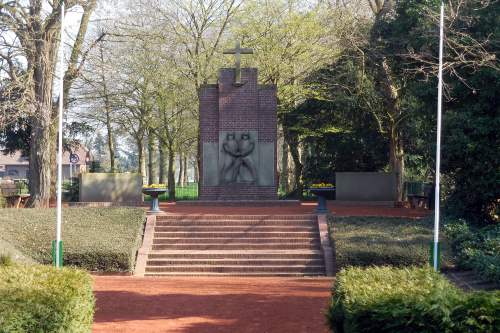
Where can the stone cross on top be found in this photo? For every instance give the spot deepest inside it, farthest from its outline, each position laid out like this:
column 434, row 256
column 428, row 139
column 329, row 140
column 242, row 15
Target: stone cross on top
column 238, row 51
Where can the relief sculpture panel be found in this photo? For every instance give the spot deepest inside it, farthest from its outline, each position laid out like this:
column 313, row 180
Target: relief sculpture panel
column 238, row 157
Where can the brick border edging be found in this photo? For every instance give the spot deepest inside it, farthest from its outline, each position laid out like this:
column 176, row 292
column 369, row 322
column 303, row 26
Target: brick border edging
column 325, row 244
column 147, row 244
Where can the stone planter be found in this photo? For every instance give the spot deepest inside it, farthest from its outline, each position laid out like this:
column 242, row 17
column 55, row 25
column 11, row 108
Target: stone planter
column 154, row 193
column 321, row 193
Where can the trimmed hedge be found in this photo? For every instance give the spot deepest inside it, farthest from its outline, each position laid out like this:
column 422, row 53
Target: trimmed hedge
column 96, row 239
column 43, row 299
column 388, row 299
column 367, row 241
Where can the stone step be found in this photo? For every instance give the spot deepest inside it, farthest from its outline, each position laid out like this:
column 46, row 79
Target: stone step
column 237, row 246
column 235, row 262
column 235, row 223
column 241, row 228
column 238, row 269
column 232, row 234
column 245, row 274
column 241, row 240
column 192, row 217
column 249, row 254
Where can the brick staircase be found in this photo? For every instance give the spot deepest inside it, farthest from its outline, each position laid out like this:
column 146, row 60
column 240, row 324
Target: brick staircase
column 221, row 245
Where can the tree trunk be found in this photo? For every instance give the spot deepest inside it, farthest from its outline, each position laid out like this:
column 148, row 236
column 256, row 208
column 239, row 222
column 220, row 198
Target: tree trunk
column 396, row 160
column 284, row 168
column 185, row 174
column 387, row 88
column 171, row 174
column 163, row 165
column 152, row 174
column 40, row 162
column 141, row 158
column 181, row 170
column 196, row 166
column 111, row 143
column 41, row 140
column 293, row 144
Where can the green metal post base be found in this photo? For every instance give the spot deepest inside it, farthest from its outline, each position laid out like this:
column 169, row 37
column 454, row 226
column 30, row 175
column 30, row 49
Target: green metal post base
column 431, row 255
column 60, row 253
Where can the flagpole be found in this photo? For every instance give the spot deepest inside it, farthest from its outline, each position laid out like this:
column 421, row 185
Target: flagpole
column 58, row 245
column 438, row 143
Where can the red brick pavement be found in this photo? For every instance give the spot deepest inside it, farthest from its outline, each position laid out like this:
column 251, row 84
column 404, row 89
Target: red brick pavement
column 302, row 208
column 211, row 305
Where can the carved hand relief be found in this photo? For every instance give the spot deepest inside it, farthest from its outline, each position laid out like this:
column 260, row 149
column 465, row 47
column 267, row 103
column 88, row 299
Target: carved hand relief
column 238, row 165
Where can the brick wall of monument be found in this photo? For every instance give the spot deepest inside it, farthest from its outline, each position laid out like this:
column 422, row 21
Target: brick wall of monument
column 226, row 107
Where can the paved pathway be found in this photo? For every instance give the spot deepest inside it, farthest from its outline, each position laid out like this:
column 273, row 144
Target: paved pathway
column 211, row 305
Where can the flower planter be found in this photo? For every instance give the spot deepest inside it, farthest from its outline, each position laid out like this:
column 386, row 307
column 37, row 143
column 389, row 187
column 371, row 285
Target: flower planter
column 321, row 193
column 154, row 193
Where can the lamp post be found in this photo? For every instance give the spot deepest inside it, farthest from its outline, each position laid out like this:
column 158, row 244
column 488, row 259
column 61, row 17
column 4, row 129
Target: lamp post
column 57, row 247
column 435, row 248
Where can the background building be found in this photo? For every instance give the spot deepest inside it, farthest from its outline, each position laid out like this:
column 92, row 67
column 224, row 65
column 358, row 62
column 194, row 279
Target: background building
column 16, row 166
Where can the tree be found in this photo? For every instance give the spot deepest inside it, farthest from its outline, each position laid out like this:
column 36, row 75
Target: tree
column 29, row 58
column 339, row 130
column 404, row 55
column 388, row 86
column 290, row 40
column 98, row 97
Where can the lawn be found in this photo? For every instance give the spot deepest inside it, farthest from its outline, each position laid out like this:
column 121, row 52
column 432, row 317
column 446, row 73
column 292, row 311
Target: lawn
column 188, row 192
column 97, row 239
column 366, row 241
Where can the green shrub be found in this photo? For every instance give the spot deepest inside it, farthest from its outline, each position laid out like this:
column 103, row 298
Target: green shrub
column 476, row 248
column 71, row 190
column 5, row 260
column 43, row 299
column 97, row 239
column 480, row 312
column 367, row 241
column 387, row 299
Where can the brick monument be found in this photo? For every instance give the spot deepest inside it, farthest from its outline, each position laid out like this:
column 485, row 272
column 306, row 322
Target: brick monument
column 238, row 133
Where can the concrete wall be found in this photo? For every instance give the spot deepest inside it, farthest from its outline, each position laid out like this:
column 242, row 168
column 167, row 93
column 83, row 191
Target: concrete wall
column 365, row 186
column 111, row 187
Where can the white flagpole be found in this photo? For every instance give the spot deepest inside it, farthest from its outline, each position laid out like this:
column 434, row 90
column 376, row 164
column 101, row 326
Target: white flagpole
column 438, row 144
column 60, row 143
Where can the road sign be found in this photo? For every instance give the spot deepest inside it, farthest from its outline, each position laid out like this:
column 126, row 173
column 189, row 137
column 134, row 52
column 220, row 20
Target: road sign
column 74, row 158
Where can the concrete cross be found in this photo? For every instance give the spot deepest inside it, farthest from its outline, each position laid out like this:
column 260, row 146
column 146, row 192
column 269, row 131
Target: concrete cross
column 238, row 51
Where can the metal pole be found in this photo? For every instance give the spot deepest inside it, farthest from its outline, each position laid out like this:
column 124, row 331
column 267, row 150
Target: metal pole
column 60, row 144
column 438, row 143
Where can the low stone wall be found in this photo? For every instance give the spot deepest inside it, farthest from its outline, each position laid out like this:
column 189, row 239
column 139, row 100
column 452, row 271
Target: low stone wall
column 365, row 186
column 111, row 187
